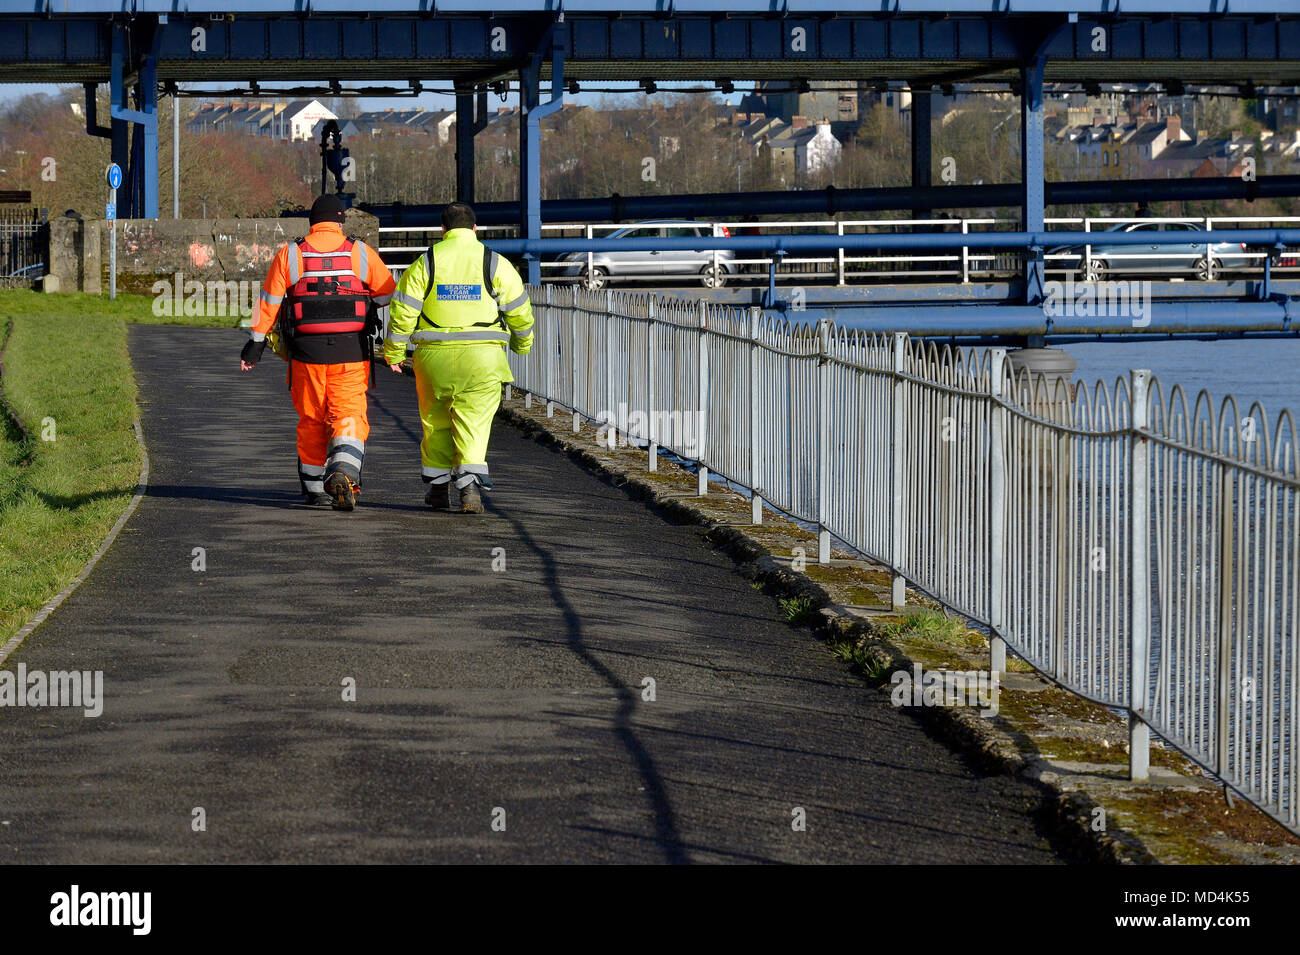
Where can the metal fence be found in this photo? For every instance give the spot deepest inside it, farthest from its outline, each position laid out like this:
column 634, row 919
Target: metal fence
column 23, row 242
column 1138, row 547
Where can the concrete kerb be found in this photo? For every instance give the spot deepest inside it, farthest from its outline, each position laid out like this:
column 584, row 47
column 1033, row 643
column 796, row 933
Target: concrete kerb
column 1068, row 814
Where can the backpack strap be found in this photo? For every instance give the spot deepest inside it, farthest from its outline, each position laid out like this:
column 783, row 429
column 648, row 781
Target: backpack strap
column 283, row 322
column 429, row 290
column 490, row 260
column 362, row 269
column 291, row 253
column 490, row 273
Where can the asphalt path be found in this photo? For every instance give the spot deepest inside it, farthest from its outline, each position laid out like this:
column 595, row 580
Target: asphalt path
column 499, row 714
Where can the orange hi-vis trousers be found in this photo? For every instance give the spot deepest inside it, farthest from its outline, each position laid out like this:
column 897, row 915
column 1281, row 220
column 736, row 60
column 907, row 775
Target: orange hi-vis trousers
column 332, row 424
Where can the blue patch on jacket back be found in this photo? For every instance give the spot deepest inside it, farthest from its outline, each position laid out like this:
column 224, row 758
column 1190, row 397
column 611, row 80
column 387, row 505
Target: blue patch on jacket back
column 459, row 293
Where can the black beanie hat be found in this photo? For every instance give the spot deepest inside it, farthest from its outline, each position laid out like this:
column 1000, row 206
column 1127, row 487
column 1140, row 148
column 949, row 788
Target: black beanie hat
column 326, row 209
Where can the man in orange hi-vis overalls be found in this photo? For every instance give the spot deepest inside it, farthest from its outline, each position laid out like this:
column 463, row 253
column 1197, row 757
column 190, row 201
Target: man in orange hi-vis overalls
column 323, row 289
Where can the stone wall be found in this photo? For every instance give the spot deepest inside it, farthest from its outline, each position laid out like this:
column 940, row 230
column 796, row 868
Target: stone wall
column 198, row 250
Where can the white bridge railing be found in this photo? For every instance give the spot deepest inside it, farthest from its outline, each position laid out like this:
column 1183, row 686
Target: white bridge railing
column 400, row 245
column 1138, row 547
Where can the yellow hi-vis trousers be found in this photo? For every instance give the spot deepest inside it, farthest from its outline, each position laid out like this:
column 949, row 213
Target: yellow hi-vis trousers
column 459, row 388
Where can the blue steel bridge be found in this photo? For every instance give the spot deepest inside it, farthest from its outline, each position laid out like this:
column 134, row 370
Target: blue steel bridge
column 143, row 49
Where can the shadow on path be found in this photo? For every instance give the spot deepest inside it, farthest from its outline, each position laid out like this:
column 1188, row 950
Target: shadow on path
column 665, row 819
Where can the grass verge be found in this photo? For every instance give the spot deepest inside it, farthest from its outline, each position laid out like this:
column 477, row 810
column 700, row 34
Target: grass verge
column 64, row 483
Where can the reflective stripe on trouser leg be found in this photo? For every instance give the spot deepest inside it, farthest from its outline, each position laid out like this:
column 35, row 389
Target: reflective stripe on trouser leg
column 435, row 475
column 346, row 455
column 311, row 477
column 466, row 474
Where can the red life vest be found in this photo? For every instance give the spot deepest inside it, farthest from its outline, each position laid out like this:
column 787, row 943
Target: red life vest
column 329, row 297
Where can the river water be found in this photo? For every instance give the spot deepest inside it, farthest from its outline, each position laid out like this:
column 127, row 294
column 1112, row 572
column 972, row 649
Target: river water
column 1264, row 370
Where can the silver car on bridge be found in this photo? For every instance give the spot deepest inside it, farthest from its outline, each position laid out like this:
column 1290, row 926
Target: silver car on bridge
column 710, row 268
column 1158, row 259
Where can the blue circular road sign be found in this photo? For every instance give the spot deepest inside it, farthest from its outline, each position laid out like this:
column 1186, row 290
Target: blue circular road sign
column 113, row 175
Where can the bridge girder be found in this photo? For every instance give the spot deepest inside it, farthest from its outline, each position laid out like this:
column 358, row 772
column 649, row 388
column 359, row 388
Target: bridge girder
column 924, row 49
column 921, row 48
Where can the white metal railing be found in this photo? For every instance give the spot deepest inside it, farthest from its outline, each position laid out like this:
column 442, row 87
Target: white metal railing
column 1138, row 547
column 963, row 265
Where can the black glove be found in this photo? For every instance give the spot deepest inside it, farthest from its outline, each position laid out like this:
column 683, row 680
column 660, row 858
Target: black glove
column 252, row 352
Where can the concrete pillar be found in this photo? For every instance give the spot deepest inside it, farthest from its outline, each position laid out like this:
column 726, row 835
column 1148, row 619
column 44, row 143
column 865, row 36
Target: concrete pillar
column 92, row 255
column 1054, row 364
column 74, row 264
column 63, row 273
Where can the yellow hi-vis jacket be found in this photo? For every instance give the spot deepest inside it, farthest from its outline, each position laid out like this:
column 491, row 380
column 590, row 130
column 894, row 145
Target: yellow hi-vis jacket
column 453, row 307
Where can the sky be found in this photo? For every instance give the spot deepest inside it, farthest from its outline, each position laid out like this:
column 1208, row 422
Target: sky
column 430, row 101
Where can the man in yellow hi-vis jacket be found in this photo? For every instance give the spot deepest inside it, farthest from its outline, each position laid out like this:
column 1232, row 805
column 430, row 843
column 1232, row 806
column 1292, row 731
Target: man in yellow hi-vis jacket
column 460, row 304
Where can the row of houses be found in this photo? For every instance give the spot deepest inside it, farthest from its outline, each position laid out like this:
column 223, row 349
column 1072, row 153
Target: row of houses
column 1109, row 135
column 795, row 147
column 1165, row 150
column 301, row 120
column 293, row 121
column 438, row 124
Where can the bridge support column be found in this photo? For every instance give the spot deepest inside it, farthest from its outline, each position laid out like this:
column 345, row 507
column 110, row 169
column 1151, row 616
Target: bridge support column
column 921, row 139
column 119, row 129
column 471, row 117
column 464, row 145
column 1032, row 171
column 144, row 145
column 138, row 155
column 530, row 138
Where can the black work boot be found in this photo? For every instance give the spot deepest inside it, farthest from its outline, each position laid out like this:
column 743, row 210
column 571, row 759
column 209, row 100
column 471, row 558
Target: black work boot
column 439, row 496
column 471, row 502
column 342, row 490
column 316, row 498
